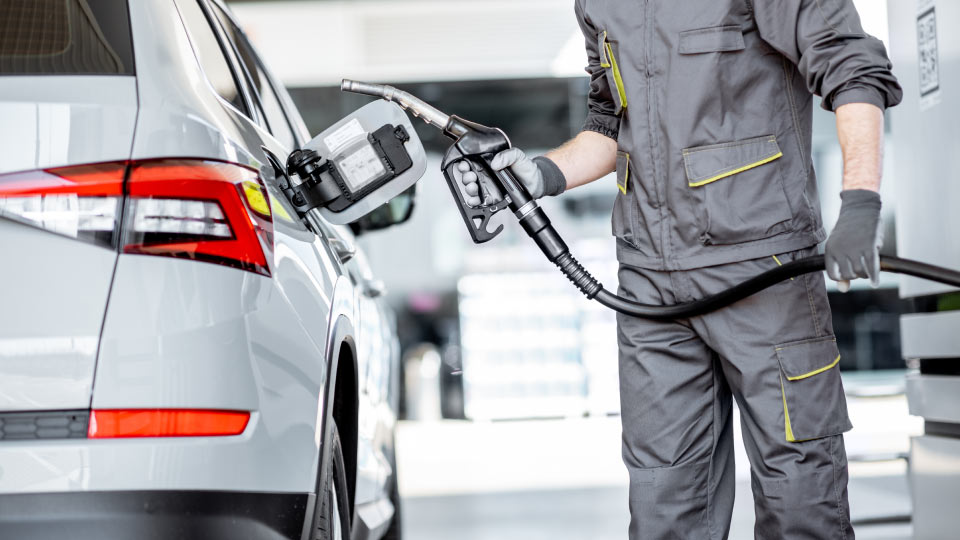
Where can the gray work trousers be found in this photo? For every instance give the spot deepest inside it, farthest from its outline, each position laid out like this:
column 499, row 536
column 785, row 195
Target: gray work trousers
column 775, row 353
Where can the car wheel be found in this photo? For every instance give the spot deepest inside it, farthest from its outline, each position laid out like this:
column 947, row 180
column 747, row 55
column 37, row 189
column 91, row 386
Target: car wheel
column 332, row 514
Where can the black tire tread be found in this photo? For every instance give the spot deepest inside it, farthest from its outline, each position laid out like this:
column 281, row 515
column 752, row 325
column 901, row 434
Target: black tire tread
column 322, row 526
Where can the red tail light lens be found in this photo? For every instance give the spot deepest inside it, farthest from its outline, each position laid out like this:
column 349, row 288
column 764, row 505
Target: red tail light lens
column 81, row 202
column 112, row 424
column 187, row 208
column 203, row 210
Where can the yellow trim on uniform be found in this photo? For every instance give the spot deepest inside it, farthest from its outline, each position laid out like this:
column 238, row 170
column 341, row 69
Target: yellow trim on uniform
column 621, row 90
column 735, row 171
column 786, row 415
column 779, row 263
column 814, row 372
column 603, row 55
column 626, row 176
column 788, row 429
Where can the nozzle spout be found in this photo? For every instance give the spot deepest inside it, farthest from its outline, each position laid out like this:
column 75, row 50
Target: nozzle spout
column 407, row 101
column 357, row 87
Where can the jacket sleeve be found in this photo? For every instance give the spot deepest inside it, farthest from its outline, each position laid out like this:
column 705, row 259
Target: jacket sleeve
column 600, row 105
column 838, row 60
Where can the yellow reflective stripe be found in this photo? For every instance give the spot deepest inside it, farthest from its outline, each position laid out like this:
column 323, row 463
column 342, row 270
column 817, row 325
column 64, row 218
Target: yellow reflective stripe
column 816, row 371
column 786, row 415
column 621, row 90
column 779, row 263
column 626, row 176
column 735, row 171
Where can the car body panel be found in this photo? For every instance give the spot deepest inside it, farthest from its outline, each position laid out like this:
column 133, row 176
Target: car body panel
column 54, row 292
column 55, row 288
column 63, row 120
column 180, row 112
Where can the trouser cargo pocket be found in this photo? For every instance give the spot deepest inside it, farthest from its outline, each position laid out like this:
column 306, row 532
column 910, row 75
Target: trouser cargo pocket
column 814, row 405
column 608, row 60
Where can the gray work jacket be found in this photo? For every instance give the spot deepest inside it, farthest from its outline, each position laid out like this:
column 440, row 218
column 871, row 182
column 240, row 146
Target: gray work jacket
column 710, row 102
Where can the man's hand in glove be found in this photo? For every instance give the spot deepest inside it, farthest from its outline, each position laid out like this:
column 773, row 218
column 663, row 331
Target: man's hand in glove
column 852, row 250
column 539, row 175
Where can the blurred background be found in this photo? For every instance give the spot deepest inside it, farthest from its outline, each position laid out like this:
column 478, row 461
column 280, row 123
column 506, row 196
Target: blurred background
column 510, row 381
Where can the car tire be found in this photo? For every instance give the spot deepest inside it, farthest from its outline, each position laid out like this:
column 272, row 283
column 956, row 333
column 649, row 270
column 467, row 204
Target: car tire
column 332, row 512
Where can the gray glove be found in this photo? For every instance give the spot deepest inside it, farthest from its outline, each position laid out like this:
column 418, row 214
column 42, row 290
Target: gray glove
column 539, row 175
column 853, row 249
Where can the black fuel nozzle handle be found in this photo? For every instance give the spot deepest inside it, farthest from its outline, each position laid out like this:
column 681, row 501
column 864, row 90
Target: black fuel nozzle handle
column 475, row 218
column 481, row 143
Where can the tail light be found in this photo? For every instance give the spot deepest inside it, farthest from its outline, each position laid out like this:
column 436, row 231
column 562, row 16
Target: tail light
column 113, row 424
column 203, row 210
column 194, row 209
column 81, row 202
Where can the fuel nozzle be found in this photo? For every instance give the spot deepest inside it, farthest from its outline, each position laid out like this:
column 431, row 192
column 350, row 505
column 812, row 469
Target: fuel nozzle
column 417, row 107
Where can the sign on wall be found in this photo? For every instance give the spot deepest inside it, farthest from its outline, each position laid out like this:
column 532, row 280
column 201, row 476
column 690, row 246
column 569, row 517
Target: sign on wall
column 928, row 55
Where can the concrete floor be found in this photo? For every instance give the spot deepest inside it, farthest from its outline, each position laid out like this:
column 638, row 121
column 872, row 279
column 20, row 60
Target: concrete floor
column 599, row 514
column 563, row 479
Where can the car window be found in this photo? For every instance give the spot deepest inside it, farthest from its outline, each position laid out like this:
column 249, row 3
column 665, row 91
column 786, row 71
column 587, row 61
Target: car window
column 84, row 37
column 210, row 54
column 276, row 119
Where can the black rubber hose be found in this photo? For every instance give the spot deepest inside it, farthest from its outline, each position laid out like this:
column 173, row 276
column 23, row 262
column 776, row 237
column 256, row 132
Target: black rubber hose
column 764, row 280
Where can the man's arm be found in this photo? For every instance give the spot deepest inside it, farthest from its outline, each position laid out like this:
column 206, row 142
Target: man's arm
column 853, row 247
column 851, row 71
column 581, row 160
column 860, row 130
column 587, row 157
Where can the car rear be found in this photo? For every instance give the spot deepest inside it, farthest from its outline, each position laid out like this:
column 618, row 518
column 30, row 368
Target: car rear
column 137, row 274
column 68, row 101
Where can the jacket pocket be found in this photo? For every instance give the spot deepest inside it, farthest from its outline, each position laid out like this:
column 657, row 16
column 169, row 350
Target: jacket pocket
column 716, row 39
column 743, row 197
column 608, row 60
column 814, row 405
column 624, row 213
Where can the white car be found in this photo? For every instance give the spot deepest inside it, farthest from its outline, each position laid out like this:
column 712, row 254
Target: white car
column 181, row 355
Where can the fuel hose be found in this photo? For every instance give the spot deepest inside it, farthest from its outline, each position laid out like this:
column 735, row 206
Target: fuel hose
column 592, row 288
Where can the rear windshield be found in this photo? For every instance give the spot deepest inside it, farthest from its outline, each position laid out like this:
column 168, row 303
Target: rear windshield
column 65, row 37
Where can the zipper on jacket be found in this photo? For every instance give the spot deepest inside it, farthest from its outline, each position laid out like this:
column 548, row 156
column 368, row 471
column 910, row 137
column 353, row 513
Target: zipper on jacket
column 652, row 119
column 647, row 36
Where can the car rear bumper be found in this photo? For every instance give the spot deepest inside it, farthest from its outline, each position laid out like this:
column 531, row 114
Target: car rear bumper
column 148, row 515
column 257, row 460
